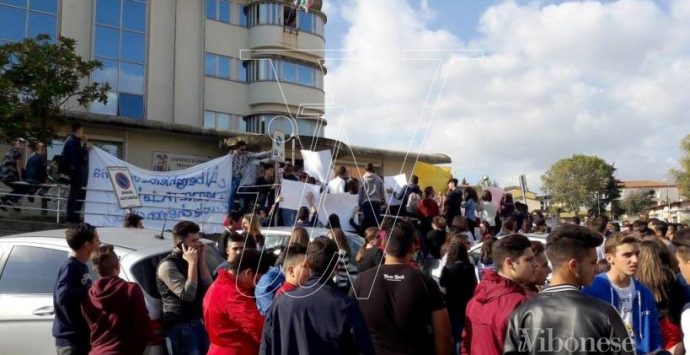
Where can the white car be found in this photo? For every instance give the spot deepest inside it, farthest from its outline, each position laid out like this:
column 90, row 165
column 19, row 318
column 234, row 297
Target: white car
column 29, row 265
column 476, row 250
column 277, row 236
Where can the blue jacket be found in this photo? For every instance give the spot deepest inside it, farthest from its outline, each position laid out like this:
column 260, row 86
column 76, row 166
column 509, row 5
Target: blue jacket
column 645, row 322
column 36, row 170
column 266, row 289
column 315, row 319
column 71, row 290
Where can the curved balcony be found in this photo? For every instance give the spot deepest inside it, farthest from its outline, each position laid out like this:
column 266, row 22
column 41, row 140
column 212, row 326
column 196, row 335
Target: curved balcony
column 278, row 37
column 276, row 94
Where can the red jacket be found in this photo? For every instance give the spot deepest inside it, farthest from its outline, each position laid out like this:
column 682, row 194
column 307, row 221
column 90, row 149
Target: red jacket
column 486, row 318
column 117, row 316
column 427, row 208
column 232, row 320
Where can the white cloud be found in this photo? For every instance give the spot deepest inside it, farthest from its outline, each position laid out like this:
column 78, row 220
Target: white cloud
column 611, row 79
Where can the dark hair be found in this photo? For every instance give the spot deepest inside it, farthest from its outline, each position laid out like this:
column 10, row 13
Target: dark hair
column 414, row 179
column 251, row 259
column 104, row 260
column 235, row 215
column 682, row 243
column 471, row 193
column 303, row 214
column 132, row 220
column 512, row 246
column 486, row 196
column 510, row 224
column 428, row 192
column 341, row 240
column 400, row 239
column 299, row 236
column 661, row 227
column 322, row 256
column 342, row 170
column 233, row 237
column 183, row 229
column 487, row 245
column 370, row 167
column 352, row 186
column 507, row 198
column 241, row 144
column 457, row 250
column 76, row 126
column 311, row 180
column 78, row 235
column 639, row 226
column 293, row 252
column 333, row 221
column 453, row 181
column 537, row 247
column 439, row 221
column 570, row 241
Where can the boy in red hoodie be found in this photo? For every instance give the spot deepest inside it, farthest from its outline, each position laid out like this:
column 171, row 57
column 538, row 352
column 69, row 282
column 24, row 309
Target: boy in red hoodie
column 115, row 309
column 231, row 318
column 499, row 293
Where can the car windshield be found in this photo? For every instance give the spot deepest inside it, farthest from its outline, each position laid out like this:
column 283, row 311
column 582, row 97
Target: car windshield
column 145, row 270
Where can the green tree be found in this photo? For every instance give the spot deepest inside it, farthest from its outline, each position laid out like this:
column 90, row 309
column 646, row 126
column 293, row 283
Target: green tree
column 682, row 175
column 637, row 201
column 38, row 77
column 581, row 181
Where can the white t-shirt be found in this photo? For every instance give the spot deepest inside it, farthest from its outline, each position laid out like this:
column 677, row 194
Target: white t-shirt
column 626, row 296
column 685, row 325
column 488, row 212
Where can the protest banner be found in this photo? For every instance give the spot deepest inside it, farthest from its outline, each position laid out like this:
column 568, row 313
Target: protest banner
column 431, row 175
column 396, row 183
column 318, row 164
column 342, row 205
column 294, row 194
column 198, row 194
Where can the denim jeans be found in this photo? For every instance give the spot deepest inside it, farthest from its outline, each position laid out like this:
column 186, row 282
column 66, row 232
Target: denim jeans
column 187, row 338
column 288, row 216
column 232, row 205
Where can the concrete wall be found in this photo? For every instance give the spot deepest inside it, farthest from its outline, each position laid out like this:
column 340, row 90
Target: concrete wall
column 189, row 64
column 160, row 73
column 226, row 96
column 76, row 23
column 263, row 94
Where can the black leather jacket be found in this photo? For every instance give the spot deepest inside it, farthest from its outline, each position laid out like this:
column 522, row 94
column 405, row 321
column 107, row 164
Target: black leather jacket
column 562, row 320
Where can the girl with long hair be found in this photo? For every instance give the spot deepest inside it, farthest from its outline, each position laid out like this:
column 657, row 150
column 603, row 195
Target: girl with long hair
column 345, row 270
column 251, row 227
column 370, row 255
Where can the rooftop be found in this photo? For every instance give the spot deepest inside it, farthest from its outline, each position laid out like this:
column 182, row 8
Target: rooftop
column 639, row 184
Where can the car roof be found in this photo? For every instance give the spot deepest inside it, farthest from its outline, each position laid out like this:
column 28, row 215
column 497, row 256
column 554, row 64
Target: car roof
column 285, row 230
column 125, row 238
column 531, row 236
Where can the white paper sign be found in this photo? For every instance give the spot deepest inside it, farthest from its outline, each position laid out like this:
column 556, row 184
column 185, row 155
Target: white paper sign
column 278, row 149
column 336, row 186
column 294, row 194
column 198, row 194
column 397, row 183
column 343, row 205
column 126, row 192
column 318, row 164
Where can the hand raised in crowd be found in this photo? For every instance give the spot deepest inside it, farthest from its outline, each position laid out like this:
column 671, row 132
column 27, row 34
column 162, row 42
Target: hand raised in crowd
column 310, row 198
column 191, row 255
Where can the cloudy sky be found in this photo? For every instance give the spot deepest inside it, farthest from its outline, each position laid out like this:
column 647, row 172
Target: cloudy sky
column 509, row 87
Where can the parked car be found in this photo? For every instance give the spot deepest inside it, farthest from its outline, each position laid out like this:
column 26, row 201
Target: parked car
column 29, row 265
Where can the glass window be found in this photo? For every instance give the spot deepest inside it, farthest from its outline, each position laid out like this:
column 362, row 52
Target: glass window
column 107, row 42
column 306, row 75
column 21, row 3
column 306, row 22
column 209, row 119
column 134, row 16
column 43, row 5
column 266, row 71
column 242, row 70
column 108, row 12
column 131, row 78
column 224, row 11
column 31, row 270
column 131, row 106
column 41, row 23
column 223, row 121
column 106, row 74
column 211, row 64
column 133, row 47
column 244, row 15
column 224, row 67
column 289, row 72
column 212, row 9
column 13, row 22
column 108, row 109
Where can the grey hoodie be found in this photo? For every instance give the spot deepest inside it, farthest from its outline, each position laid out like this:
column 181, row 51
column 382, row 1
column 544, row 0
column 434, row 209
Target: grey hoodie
column 371, row 186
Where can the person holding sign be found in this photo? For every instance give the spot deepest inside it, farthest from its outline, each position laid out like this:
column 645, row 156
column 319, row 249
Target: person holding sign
column 240, row 160
column 371, row 197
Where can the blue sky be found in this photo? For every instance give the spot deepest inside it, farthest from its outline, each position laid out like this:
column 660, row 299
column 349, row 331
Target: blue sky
column 606, row 78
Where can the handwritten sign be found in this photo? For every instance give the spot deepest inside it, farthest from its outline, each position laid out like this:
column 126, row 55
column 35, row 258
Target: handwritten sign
column 199, row 194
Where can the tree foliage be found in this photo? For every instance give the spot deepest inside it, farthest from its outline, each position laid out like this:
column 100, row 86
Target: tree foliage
column 581, row 181
column 682, row 175
column 638, row 201
column 38, row 77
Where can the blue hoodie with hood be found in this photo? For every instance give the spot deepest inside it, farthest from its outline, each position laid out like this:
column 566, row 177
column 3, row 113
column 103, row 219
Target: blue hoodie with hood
column 645, row 315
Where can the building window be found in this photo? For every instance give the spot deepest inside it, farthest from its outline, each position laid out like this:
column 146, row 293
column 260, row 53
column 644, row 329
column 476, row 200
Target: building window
column 223, row 67
column 280, row 15
column 287, row 71
column 309, row 128
column 120, row 43
column 219, row 10
column 21, row 19
column 243, row 12
column 224, row 121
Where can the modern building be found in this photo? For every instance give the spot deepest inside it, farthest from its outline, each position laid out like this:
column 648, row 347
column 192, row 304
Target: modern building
column 660, row 191
column 189, row 76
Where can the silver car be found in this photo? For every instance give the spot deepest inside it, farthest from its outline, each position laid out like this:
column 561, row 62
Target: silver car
column 29, row 265
column 278, row 236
